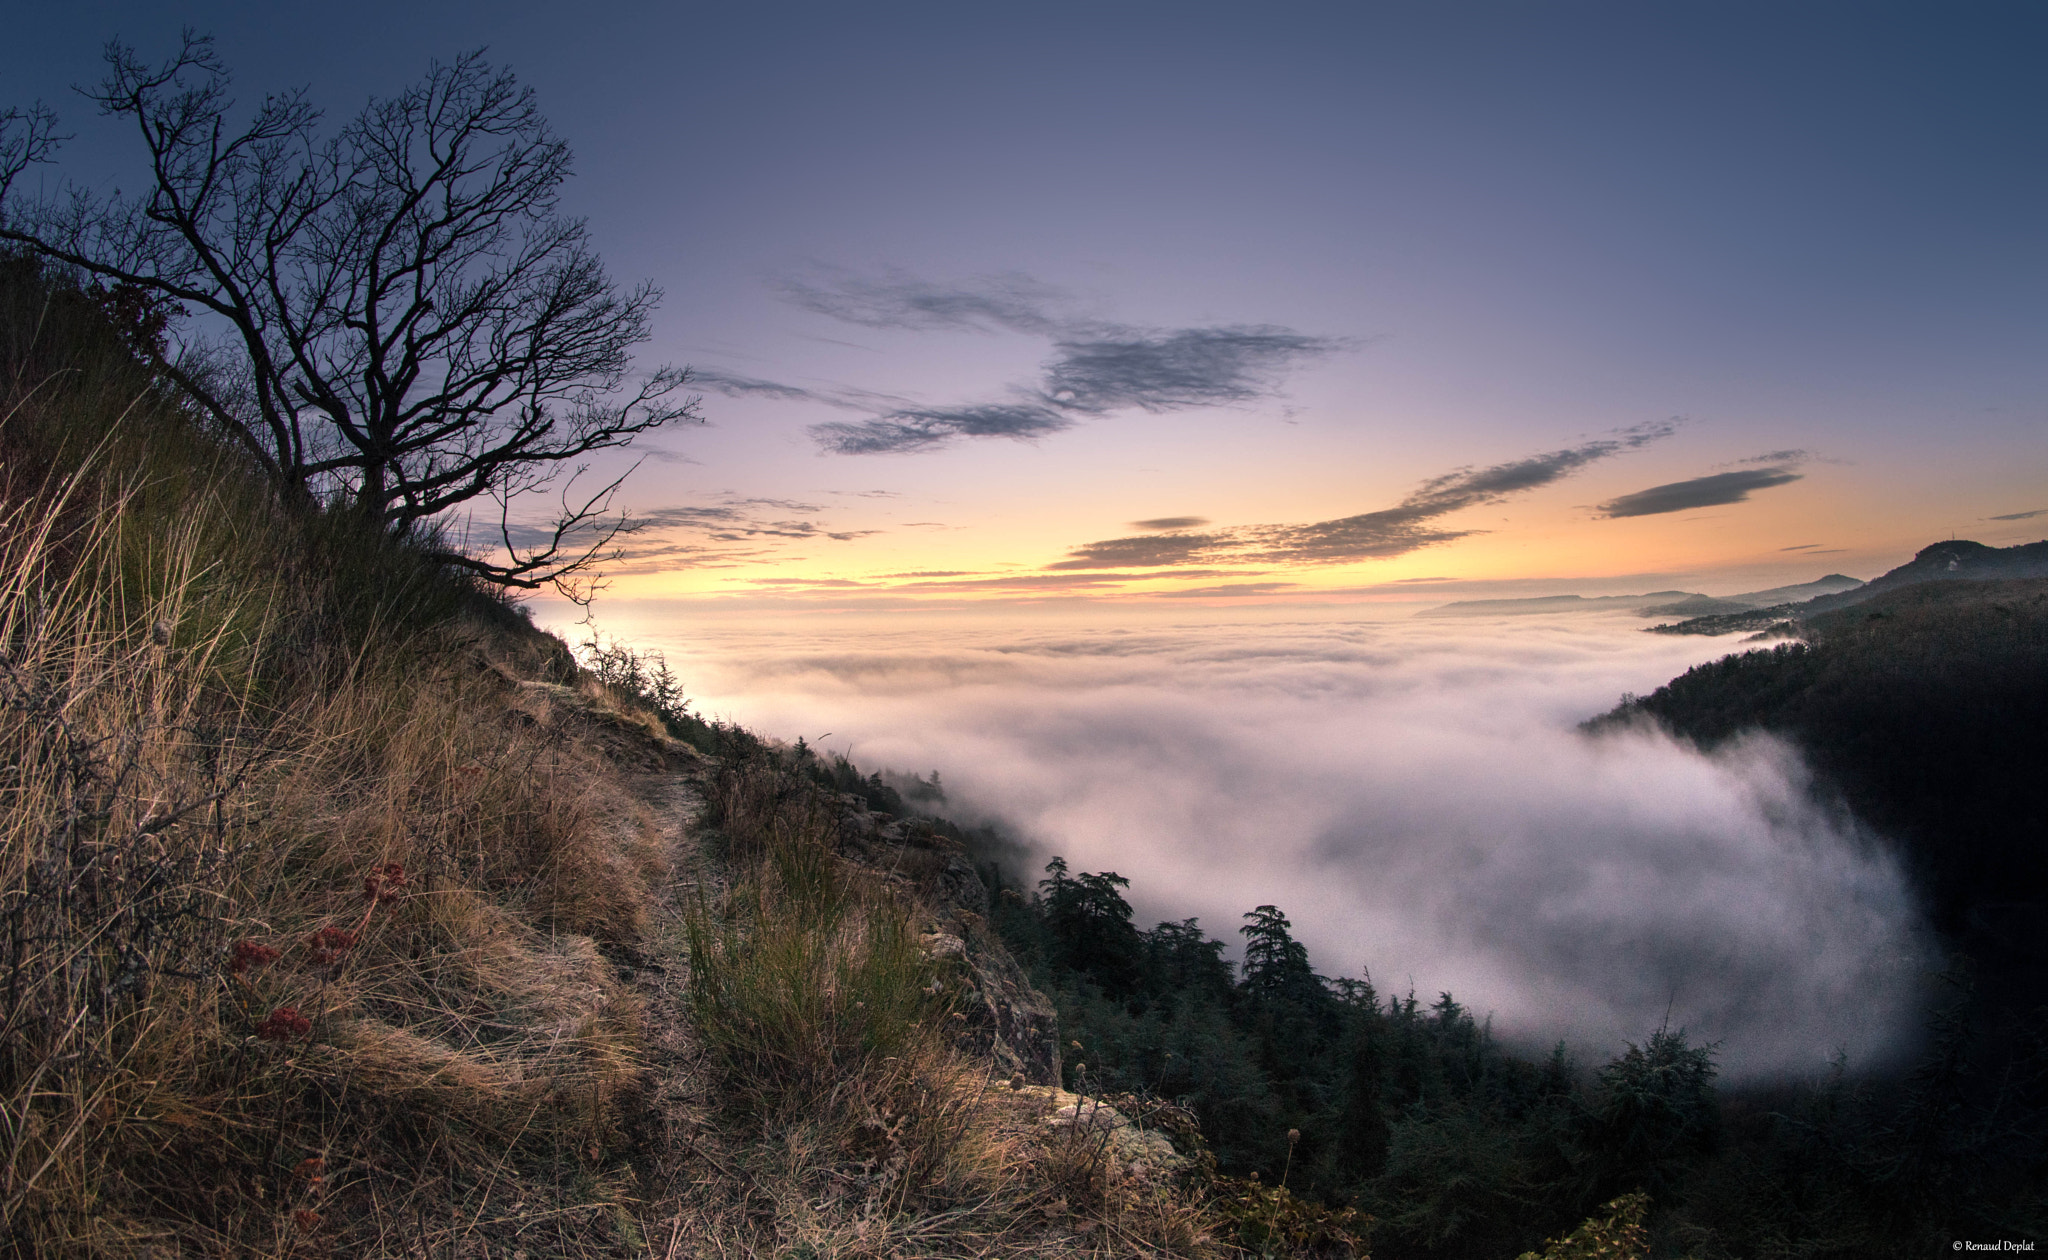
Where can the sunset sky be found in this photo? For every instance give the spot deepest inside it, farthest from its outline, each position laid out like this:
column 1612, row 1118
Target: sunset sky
column 1268, row 302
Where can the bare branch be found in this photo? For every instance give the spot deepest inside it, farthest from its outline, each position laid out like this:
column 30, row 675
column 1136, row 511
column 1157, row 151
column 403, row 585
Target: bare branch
column 28, row 137
column 415, row 323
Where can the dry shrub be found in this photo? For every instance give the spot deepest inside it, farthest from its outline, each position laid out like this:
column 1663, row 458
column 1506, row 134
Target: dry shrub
column 1618, row 1233
column 116, row 846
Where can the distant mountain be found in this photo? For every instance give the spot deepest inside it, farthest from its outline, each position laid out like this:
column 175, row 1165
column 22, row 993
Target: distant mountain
column 1653, row 604
column 1957, row 559
column 1947, row 562
column 1702, row 605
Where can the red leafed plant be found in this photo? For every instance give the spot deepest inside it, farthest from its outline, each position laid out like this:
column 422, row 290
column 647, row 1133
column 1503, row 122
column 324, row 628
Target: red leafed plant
column 385, row 883
column 250, row 954
column 331, row 944
column 284, row 1024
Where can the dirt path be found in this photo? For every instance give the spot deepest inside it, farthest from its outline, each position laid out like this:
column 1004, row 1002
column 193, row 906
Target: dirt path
column 693, row 1188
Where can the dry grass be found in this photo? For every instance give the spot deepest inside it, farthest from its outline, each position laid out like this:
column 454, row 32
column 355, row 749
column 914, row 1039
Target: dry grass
column 843, row 1120
column 214, row 1037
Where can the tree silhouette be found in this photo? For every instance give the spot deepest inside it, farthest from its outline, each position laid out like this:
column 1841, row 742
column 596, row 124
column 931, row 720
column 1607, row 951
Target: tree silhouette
column 1090, row 926
column 1275, row 964
column 395, row 318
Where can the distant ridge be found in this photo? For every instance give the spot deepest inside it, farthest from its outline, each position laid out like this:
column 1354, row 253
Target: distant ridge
column 1948, row 561
column 1653, row 604
column 1956, row 559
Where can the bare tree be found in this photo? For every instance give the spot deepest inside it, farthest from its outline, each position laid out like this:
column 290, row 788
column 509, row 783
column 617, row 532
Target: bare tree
column 404, row 321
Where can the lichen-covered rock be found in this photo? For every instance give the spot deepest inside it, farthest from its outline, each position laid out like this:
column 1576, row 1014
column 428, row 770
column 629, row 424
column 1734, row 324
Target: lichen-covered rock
column 1133, row 1150
column 938, row 945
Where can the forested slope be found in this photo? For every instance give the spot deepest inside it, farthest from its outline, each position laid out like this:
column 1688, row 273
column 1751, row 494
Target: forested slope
column 1925, row 709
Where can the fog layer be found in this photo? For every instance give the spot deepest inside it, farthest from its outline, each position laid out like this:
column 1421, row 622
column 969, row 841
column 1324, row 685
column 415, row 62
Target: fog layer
column 1414, row 796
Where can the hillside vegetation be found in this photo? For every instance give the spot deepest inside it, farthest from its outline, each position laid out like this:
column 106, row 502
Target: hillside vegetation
column 305, row 905
column 343, row 913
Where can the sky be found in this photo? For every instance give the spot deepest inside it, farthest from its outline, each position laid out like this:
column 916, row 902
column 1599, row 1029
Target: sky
column 1159, row 304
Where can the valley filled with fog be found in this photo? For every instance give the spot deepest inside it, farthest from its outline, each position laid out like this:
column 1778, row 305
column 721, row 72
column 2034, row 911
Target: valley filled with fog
column 1415, row 795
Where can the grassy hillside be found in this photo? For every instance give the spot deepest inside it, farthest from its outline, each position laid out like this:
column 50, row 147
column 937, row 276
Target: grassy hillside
column 304, row 905
column 343, row 913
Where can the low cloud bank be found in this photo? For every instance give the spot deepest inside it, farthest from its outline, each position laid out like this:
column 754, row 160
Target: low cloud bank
column 1415, row 797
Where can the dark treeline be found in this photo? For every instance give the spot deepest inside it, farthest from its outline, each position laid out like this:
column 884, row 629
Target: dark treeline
column 1460, row 1146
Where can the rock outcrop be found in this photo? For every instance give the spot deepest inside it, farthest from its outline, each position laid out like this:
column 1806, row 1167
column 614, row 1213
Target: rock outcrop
column 1002, row 1016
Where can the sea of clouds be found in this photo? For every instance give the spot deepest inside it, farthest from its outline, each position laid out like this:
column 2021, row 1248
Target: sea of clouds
column 1414, row 795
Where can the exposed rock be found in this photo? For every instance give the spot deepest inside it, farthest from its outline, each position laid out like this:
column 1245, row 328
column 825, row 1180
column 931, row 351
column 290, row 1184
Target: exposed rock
column 1133, row 1150
column 962, row 886
column 1006, row 1019
column 631, row 737
column 998, row 1013
column 943, row 945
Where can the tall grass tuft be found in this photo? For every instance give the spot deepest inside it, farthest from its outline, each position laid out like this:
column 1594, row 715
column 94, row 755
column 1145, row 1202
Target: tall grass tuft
column 809, row 982
column 125, row 743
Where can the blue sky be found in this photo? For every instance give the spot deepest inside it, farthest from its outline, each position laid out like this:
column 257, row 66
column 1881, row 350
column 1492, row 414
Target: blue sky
column 1294, row 266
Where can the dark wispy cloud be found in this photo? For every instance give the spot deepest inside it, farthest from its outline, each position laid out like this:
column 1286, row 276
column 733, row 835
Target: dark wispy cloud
column 1712, row 490
column 741, row 520
column 1110, row 368
column 1800, row 547
column 2019, row 516
column 1028, row 582
column 1147, row 551
column 1023, row 585
column 845, row 398
column 825, row 583
column 1171, row 522
column 1408, row 526
column 1097, row 367
column 661, row 455
column 717, row 534
column 733, row 385
column 917, row 429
